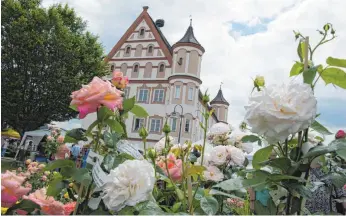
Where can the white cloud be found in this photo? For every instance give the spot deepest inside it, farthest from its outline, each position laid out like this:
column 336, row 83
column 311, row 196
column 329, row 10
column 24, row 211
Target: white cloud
column 235, row 59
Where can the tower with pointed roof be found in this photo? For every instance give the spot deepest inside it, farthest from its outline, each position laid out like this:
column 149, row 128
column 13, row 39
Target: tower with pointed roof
column 161, row 77
column 220, row 105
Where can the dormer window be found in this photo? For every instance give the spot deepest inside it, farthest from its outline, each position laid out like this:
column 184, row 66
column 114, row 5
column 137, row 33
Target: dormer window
column 141, row 32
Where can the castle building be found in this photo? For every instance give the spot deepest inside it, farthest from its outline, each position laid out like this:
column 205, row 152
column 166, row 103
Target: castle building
column 163, row 79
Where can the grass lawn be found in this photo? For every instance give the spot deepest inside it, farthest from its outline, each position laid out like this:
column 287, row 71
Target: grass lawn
column 7, row 164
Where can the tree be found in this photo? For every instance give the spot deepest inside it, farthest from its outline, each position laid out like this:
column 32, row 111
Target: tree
column 46, row 54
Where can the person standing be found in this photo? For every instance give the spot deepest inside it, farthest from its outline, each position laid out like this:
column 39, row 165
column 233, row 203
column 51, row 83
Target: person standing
column 75, row 150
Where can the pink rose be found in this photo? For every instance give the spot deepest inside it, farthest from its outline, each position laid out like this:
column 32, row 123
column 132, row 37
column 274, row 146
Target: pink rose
column 340, row 134
column 48, row 205
column 49, row 138
column 11, row 188
column 61, row 139
column 44, row 178
column 63, row 151
column 96, row 93
column 119, row 80
column 174, row 167
column 69, row 207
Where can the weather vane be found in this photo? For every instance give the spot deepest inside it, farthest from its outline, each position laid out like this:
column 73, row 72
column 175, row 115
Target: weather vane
column 221, row 84
column 190, row 20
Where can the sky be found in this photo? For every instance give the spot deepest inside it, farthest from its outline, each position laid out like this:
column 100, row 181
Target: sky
column 242, row 39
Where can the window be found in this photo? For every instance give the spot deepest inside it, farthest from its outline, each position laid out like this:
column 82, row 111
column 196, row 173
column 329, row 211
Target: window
column 177, row 92
column 128, row 50
column 143, row 95
column 162, row 68
column 190, row 94
column 187, row 125
column 155, row 125
column 180, row 62
column 141, row 32
column 159, row 95
column 135, row 68
column 174, row 124
column 150, row 49
column 112, row 68
column 126, row 93
column 139, row 122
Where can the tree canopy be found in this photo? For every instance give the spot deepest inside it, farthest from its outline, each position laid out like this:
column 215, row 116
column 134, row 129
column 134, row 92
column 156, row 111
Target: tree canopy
column 46, row 54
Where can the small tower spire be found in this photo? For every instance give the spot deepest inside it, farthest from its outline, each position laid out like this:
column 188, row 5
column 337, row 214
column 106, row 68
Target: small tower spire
column 190, row 20
column 221, row 85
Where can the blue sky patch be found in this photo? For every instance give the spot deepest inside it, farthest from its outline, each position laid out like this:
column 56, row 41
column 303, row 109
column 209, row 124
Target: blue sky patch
column 244, row 28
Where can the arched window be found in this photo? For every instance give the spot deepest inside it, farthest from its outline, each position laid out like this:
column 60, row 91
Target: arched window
column 128, row 50
column 141, row 32
column 150, row 49
column 112, row 68
column 161, row 68
column 135, row 68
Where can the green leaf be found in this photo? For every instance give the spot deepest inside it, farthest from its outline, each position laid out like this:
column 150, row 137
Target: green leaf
column 335, row 76
column 336, row 62
column 115, row 125
column 216, row 192
column 59, row 164
column 279, row 177
column 26, row 205
column 230, row 184
column 82, row 175
column 176, row 206
column 209, row 205
column 296, row 69
column 282, row 163
column 199, row 194
column 104, row 113
column 76, row 134
column 261, row 209
column 67, row 172
column 74, row 107
column 111, row 139
column 261, row 155
column 121, row 158
column 301, row 51
column 128, row 104
column 139, row 111
column 335, row 145
column 251, row 138
column 342, row 153
column 55, row 187
column 300, row 189
column 316, row 126
column 195, row 170
column 309, row 75
column 272, row 207
column 258, row 180
column 338, row 179
column 91, row 127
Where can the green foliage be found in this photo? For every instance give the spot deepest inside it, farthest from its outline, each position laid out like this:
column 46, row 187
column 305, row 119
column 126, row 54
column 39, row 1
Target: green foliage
column 320, row 128
column 230, row 184
column 46, row 53
column 55, row 187
column 335, row 76
column 121, row 158
column 296, row 69
column 104, row 113
column 338, row 179
column 143, row 208
column 336, row 62
column 270, row 209
column 26, row 205
column 75, row 135
column 335, row 145
column 281, row 163
column 251, row 138
column 301, row 50
column 139, row 111
column 309, row 75
column 261, row 156
column 115, row 125
column 128, row 104
column 111, row 139
column 59, row 164
column 209, row 205
column 82, row 175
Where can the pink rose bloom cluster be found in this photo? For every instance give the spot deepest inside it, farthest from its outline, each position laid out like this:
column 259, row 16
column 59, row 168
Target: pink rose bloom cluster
column 119, row 80
column 174, row 166
column 48, row 204
column 235, row 202
column 33, row 167
column 98, row 92
column 12, row 188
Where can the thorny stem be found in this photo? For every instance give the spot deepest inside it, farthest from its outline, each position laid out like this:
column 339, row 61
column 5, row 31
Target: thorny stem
column 79, row 197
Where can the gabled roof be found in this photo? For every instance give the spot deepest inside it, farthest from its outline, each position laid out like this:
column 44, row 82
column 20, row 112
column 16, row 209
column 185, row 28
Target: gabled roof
column 159, row 37
column 219, row 99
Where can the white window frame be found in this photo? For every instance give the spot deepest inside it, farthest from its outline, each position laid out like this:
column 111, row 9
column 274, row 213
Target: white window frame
column 159, row 95
column 175, row 121
column 176, row 92
column 187, row 121
column 190, row 94
column 141, row 99
column 155, row 125
column 141, row 123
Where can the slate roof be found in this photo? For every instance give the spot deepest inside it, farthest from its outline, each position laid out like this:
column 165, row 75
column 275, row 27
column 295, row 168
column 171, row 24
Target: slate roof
column 162, row 36
column 219, row 99
column 189, row 37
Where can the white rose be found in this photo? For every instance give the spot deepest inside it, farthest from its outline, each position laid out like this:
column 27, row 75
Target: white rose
column 280, row 110
column 236, row 155
column 160, row 145
column 130, row 183
column 246, row 147
column 218, row 155
column 206, row 159
column 179, row 146
column 213, row 174
column 219, row 128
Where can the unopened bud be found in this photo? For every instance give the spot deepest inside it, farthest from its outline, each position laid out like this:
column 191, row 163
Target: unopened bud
column 152, row 154
column 326, row 27
column 166, row 129
column 205, row 97
column 259, row 81
column 340, row 134
column 333, row 31
column 143, row 132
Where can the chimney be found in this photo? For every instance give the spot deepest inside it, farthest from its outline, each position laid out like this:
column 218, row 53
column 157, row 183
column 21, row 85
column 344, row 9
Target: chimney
column 145, row 8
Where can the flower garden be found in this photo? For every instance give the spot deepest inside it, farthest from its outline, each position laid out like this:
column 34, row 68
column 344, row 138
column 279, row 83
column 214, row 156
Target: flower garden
column 208, row 178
